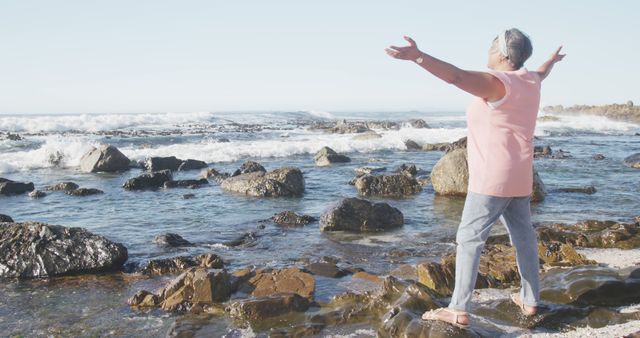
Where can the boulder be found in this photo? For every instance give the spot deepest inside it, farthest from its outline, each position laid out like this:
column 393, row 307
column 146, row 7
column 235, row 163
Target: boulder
column 174, row 265
column 290, row 218
column 282, row 281
column 397, row 185
column 327, row 156
column 412, row 145
column 249, row 167
column 344, row 127
column 153, row 180
column 5, row 218
column 450, row 175
column 37, row 194
column 598, row 157
column 8, row 187
column 265, row 307
column 593, row 234
column 104, row 158
column 62, row 186
column 185, row 183
column 326, row 269
column 435, row 146
column 32, row 249
column 409, row 170
column 418, row 123
column 192, row 165
column 84, row 192
column 633, row 161
column 282, row 182
column 214, row 174
column 539, row 189
column 196, row 286
column 354, row 214
column 170, row 239
column 446, row 147
column 542, row 151
column 163, row 163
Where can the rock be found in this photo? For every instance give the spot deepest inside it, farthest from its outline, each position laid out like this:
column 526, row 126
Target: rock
column 370, row 135
column 171, row 239
column 435, row 146
column 104, row 158
column 14, row 137
column 585, row 190
column 344, row 127
column 424, row 180
column 32, row 249
column 212, row 173
column 561, row 155
column 633, row 161
column 412, row 145
column 5, row 218
column 409, row 170
column 326, row 269
column 598, row 157
column 354, row 214
column 282, row 281
column 84, row 192
column 185, row 183
column 262, row 308
column 539, row 189
column 174, row 265
column 192, row 165
column 37, row 194
column 397, row 185
column 593, row 234
column 367, row 276
column 548, row 118
column 163, row 163
column 326, row 156
column 282, row 182
column 290, row 218
column 196, row 286
column 153, row 180
column 459, row 144
column 8, row 187
column 450, row 175
column 418, row 123
column 382, row 125
column 249, row 167
column 542, row 151
column 244, row 239
column 62, row 186
column 368, row 170
column 188, row 196
column 144, row 299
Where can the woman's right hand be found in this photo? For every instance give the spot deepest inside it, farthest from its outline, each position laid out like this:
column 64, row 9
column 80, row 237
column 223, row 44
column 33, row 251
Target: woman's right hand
column 410, row 52
column 556, row 56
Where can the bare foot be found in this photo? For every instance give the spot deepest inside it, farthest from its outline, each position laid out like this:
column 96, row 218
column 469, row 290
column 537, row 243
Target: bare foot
column 457, row 318
column 526, row 309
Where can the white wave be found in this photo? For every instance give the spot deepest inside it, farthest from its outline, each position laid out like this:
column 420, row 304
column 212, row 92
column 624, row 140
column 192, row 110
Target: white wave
column 321, row 114
column 56, row 151
column 584, row 123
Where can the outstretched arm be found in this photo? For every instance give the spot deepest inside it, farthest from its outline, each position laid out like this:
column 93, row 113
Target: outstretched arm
column 546, row 67
column 480, row 84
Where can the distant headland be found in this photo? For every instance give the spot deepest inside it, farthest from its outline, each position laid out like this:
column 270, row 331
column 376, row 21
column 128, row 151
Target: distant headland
column 616, row 111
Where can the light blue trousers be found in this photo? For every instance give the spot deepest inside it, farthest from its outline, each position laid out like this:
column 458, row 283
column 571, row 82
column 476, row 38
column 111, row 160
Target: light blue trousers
column 479, row 214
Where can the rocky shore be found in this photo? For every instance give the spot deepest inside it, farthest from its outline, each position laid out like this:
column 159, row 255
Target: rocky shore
column 623, row 112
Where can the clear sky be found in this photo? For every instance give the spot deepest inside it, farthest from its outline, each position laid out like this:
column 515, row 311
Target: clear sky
column 180, row 56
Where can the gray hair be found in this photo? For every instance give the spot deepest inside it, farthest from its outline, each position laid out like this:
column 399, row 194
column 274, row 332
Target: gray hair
column 519, row 47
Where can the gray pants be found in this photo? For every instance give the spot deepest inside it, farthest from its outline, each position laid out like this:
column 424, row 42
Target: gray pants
column 479, row 214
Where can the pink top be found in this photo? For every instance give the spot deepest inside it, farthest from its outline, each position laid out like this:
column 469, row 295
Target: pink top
column 500, row 139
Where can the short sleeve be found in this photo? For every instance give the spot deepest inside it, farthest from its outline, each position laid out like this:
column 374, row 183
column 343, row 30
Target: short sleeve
column 506, row 81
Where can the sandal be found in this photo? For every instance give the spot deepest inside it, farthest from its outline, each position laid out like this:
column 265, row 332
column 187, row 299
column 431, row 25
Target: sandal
column 515, row 298
column 434, row 315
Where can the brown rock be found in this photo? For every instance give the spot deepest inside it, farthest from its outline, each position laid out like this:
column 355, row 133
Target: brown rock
column 397, row 185
column 283, row 281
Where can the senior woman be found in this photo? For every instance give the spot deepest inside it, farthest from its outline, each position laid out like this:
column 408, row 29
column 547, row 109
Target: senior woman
column 500, row 121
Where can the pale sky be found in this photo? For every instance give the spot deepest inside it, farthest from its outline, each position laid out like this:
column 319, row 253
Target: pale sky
column 183, row 56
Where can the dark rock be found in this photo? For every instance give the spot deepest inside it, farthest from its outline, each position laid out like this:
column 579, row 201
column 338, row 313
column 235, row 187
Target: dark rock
column 105, row 158
column 443, row 146
column 153, row 180
column 542, row 151
column 84, row 192
column 418, row 123
column 585, row 190
column 412, row 145
column 360, row 171
column 185, row 183
column 192, row 165
column 215, row 175
column 37, row 194
column 598, row 157
column 290, row 218
column 325, row 269
column 244, row 239
column 282, row 182
column 561, row 155
column 174, row 265
column 633, row 161
column 327, row 156
column 344, row 127
column 9, row 188
column 188, row 196
column 144, row 299
column 5, row 218
column 407, row 169
column 397, row 185
column 249, row 167
column 354, row 214
column 262, row 308
column 170, row 239
column 163, row 163
column 14, row 137
column 32, row 249
column 62, row 186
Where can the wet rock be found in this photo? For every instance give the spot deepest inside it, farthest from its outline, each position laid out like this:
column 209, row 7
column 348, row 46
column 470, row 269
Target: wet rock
column 32, row 249
column 174, row 265
column 542, row 151
column 14, row 137
column 188, row 196
column 105, row 158
column 598, row 157
column 37, row 194
column 560, row 254
column 367, row 276
column 282, row 182
column 144, row 298
column 8, row 187
column 561, row 154
column 265, row 307
column 344, row 127
column 192, row 165
column 153, row 180
column 632, row 161
column 249, row 167
column 244, row 239
column 196, row 286
column 424, row 180
column 397, row 185
column 412, row 145
column 360, row 171
column 539, row 189
column 282, row 281
column 584, row 190
column 84, row 192
column 548, row 118
column 290, row 218
column 450, row 175
column 327, row 156
column 418, row 123
column 171, row 239
column 326, row 269
column 446, row 147
column 383, row 125
column 62, row 186
column 185, row 183
column 409, row 170
column 214, row 174
column 593, row 234
column 435, row 146
column 5, row 218
column 354, row 214
column 370, row 135
column 163, row 163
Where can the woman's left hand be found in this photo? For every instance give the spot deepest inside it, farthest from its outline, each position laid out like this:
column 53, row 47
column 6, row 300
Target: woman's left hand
column 410, row 52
